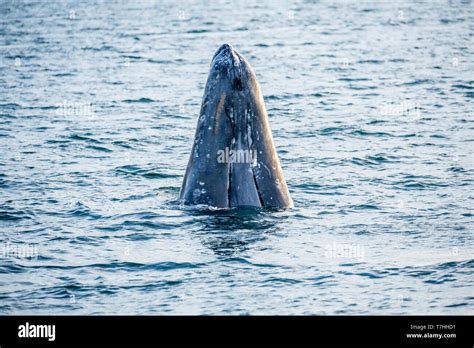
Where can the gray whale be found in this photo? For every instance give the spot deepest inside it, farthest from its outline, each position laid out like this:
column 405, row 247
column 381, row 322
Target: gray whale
column 233, row 161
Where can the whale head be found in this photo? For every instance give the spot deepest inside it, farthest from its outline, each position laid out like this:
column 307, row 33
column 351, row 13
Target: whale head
column 233, row 161
column 231, row 69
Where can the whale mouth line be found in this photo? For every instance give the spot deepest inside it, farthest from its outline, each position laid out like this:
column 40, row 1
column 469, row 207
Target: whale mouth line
column 230, row 187
column 235, row 168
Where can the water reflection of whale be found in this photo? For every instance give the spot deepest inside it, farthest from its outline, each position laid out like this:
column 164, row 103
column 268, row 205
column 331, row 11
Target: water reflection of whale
column 229, row 232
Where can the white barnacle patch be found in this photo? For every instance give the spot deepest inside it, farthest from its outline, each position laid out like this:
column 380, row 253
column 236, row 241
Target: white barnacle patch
column 201, row 183
column 203, row 191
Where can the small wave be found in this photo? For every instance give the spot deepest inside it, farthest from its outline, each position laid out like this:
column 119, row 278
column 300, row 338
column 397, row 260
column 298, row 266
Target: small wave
column 376, row 122
column 287, row 96
column 160, row 61
column 10, row 268
column 198, row 31
column 282, row 281
column 417, row 82
column 121, row 266
column 353, row 79
column 65, row 74
column 149, row 173
column 139, row 100
column 82, row 210
column 398, row 60
column 365, row 207
column 462, row 304
column 462, row 86
column 369, row 275
column 332, row 130
column 244, row 261
column 441, row 280
column 99, row 148
column 84, row 137
column 123, row 144
column 364, row 133
column 10, row 106
column 321, row 280
column 371, row 61
column 327, row 190
column 419, row 185
column 15, row 214
column 373, row 160
column 134, row 225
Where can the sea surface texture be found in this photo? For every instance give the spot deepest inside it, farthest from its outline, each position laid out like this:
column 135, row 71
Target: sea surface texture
column 371, row 108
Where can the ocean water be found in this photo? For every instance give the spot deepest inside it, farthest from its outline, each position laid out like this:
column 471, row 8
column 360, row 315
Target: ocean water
column 371, row 107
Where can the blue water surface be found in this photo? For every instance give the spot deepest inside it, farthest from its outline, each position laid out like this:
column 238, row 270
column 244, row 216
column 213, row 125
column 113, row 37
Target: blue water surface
column 371, row 107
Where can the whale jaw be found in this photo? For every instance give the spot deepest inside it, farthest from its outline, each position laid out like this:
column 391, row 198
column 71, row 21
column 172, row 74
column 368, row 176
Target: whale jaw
column 233, row 161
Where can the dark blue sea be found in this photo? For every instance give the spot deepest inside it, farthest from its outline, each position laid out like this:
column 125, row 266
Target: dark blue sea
column 371, row 108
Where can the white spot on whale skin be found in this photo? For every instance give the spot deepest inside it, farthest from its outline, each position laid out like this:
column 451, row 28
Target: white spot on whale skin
column 203, row 191
column 196, row 193
column 201, row 183
column 208, row 156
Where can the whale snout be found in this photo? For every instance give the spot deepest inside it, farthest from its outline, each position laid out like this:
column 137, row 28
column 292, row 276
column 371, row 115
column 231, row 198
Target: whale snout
column 226, row 56
column 230, row 66
column 225, row 47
